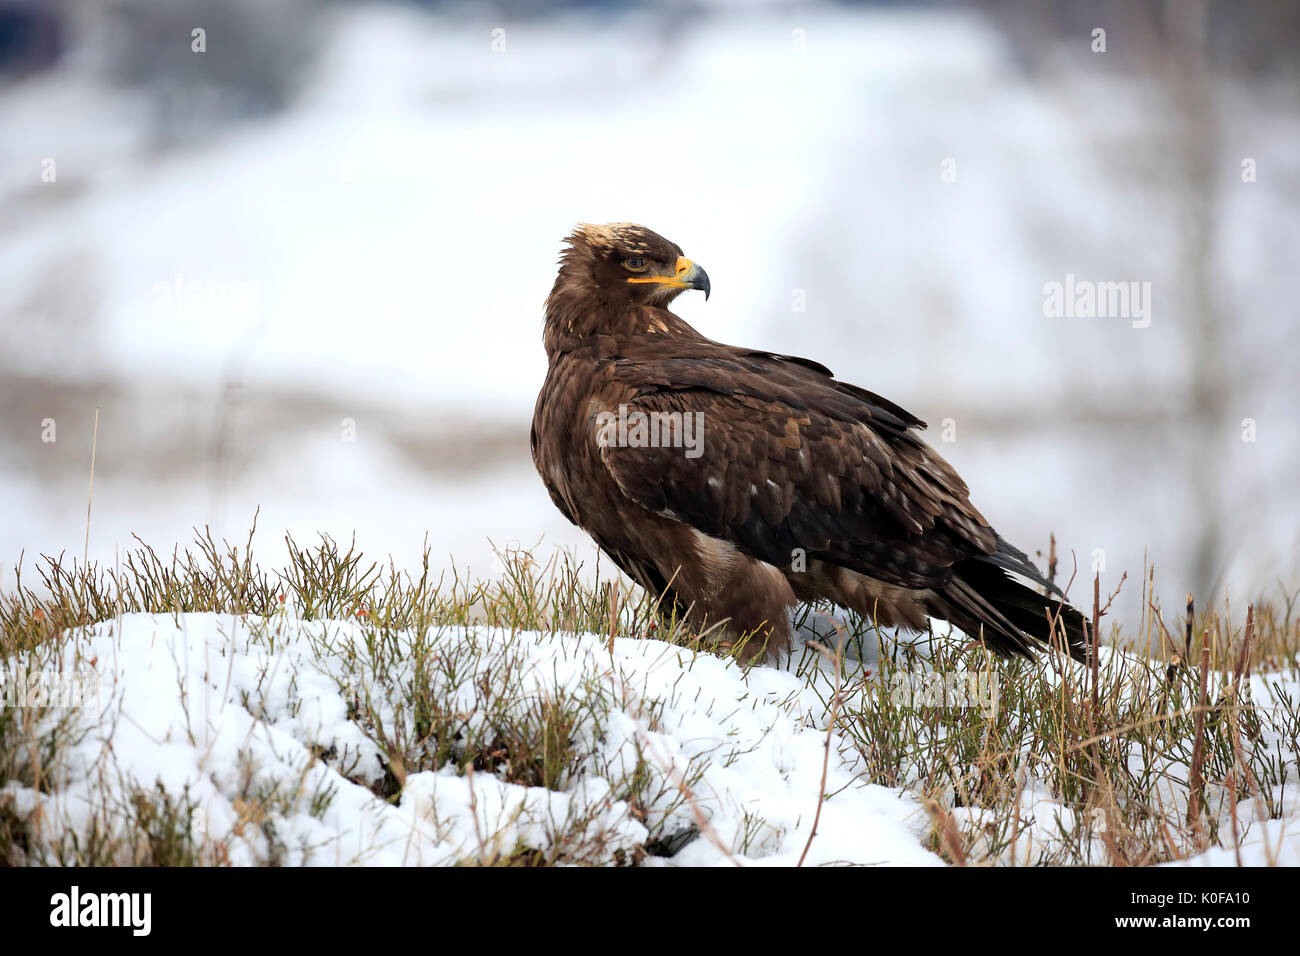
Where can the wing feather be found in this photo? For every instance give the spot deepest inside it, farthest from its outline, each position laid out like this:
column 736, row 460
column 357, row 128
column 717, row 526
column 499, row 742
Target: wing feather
column 793, row 459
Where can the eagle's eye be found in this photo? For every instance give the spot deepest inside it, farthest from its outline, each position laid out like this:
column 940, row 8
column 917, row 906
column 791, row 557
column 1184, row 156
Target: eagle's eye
column 635, row 264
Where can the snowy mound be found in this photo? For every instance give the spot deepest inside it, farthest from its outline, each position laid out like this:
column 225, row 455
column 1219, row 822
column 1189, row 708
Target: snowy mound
column 262, row 734
column 219, row 739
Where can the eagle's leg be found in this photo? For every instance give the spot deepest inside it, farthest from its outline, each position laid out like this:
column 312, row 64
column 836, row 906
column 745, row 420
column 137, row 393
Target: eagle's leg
column 735, row 600
column 749, row 639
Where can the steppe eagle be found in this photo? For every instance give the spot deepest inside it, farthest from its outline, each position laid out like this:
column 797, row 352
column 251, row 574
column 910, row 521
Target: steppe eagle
column 734, row 483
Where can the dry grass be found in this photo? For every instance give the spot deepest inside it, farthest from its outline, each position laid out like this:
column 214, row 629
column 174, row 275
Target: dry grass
column 1153, row 754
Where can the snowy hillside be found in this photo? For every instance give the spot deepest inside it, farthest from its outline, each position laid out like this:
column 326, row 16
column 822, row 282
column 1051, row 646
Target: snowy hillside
column 271, row 740
column 221, row 709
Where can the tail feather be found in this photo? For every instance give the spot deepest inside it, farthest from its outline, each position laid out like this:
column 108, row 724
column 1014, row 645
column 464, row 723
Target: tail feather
column 1014, row 620
column 1012, row 559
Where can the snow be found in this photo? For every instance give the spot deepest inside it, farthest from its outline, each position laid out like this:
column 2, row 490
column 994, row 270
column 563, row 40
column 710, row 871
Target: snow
column 256, row 723
column 1271, row 843
column 216, row 706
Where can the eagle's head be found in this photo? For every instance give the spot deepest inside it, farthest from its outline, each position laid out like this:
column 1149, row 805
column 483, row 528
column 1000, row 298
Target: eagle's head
column 621, row 263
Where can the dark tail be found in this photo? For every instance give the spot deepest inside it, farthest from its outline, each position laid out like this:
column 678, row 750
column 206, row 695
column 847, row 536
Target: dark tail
column 1015, row 620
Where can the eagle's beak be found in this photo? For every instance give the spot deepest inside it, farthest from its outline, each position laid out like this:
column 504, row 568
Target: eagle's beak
column 696, row 278
column 686, row 275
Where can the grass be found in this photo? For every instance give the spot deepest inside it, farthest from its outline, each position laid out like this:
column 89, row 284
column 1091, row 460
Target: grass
column 1154, row 754
column 1117, row 764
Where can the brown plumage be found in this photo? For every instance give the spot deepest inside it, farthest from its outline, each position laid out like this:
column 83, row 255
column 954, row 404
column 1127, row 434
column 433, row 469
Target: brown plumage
column 735, row 482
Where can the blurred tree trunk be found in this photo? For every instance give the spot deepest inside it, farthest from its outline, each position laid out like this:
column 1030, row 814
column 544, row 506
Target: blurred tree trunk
column 1199, row 138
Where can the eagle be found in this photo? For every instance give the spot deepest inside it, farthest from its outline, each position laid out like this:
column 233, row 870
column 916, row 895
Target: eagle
column 734, row 483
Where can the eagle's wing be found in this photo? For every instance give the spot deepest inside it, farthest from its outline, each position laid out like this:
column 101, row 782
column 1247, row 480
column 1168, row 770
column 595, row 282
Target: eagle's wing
column 793, row 459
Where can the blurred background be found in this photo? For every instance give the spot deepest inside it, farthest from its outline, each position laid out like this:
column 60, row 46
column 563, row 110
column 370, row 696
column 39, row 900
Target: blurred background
column 295, row 253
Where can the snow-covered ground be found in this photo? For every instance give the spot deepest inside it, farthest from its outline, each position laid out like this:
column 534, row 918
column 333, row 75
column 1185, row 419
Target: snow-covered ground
column 255, row 721
column 218, row 706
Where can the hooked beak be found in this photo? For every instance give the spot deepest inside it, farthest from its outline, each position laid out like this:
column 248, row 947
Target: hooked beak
column 697, row 278
column 686, row 275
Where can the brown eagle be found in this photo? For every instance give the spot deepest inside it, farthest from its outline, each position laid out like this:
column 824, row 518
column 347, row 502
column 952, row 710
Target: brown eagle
column 734, row 483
